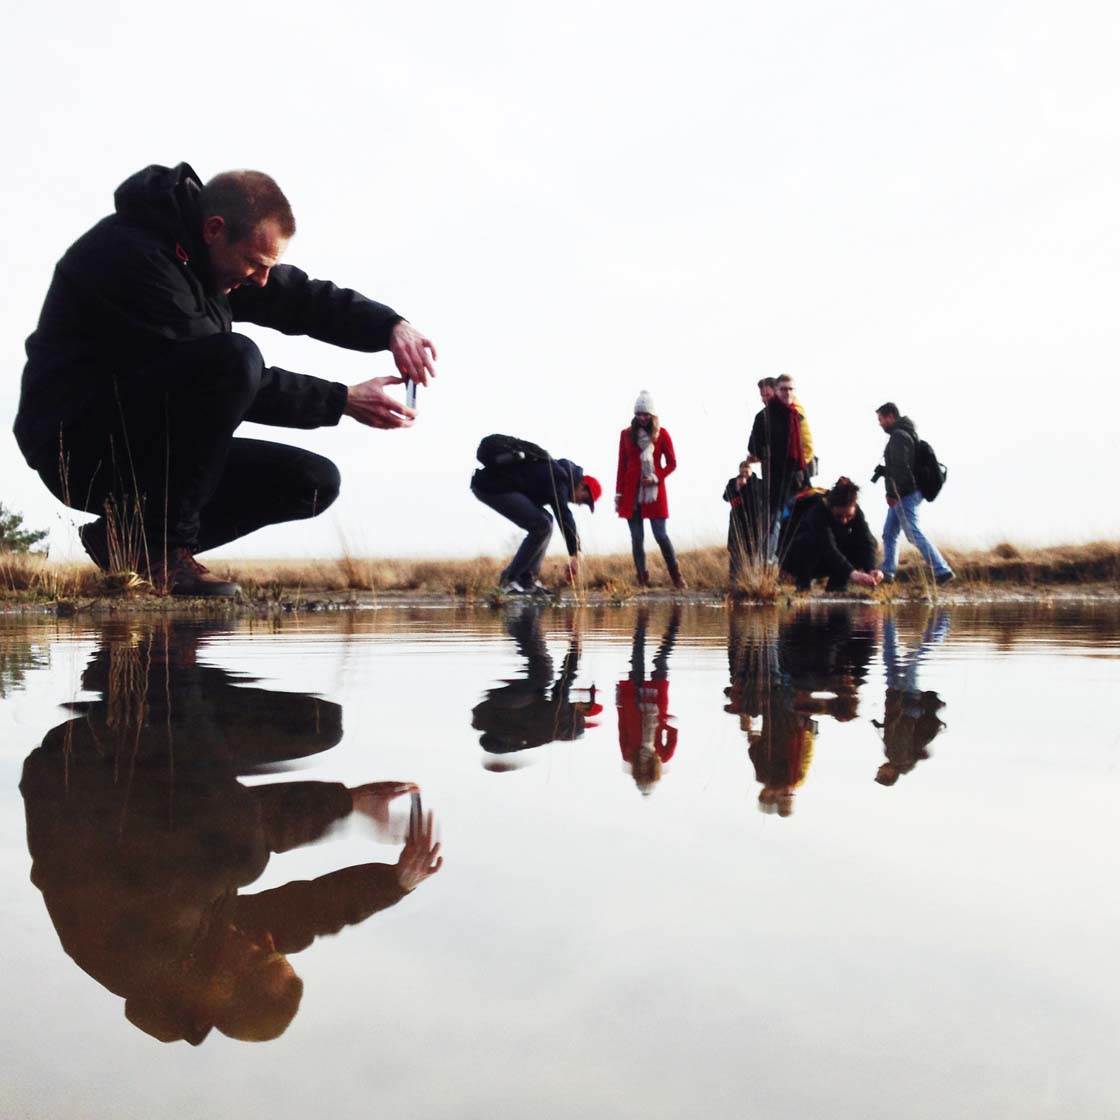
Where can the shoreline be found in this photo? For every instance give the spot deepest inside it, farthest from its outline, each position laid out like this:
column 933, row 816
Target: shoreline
column 1088, row 573
column 307, row 602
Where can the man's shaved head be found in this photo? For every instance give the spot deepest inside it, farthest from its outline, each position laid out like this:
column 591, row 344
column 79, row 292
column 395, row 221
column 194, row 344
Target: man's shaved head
column 244, row 199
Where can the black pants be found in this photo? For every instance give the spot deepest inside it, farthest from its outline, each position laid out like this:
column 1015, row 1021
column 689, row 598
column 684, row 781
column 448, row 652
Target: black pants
column 806, row 567
column 162, row 449
column 525, row 567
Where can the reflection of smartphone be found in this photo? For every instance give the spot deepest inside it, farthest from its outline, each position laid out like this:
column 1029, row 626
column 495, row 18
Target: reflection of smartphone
column 410, row 393
column 415, row 815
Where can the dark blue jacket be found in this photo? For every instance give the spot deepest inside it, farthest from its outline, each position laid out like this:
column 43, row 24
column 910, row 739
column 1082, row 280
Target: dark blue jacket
column 548, row 485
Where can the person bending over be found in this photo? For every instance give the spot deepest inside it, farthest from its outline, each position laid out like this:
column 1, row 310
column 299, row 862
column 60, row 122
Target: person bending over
column 831, row 539
column 523, row 491
column 135, row 380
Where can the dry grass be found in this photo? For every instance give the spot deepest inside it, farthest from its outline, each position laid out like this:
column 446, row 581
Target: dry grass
column 33, row 578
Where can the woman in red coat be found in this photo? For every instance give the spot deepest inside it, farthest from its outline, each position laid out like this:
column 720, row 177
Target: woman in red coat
column 645, row 460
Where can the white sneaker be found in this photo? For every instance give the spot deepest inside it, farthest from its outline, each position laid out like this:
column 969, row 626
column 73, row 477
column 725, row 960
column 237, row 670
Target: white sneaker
column 538, row 588
column 514, row 588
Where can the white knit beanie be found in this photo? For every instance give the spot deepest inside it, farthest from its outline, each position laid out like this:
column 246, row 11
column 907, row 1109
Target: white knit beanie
column 644, row 403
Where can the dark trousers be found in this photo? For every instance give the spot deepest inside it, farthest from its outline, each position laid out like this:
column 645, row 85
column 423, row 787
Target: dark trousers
column 537, row 523
column 806, row 567
column 638, row 544
column 162, row 450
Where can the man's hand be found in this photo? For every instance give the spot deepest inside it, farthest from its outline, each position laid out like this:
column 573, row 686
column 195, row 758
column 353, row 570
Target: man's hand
column 413, row 353
column 863, row 579
column 369, row 404
column 373, row 799
column 420, row 857
column 892, row 500
column 572, row 573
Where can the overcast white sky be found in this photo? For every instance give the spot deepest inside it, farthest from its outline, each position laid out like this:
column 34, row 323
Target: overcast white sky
column 910, row 201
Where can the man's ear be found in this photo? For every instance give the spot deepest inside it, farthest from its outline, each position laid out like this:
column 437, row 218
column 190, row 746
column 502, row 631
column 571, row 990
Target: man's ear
column 212, row 227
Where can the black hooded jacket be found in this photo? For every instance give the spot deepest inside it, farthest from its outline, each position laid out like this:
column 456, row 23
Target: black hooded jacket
column 139, row 282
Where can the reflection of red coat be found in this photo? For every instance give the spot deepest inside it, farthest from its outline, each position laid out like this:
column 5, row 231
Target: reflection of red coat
column 630, row 474
column 629, row 701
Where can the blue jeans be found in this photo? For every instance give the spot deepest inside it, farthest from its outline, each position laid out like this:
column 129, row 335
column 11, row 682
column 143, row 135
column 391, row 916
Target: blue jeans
column 638, row 544
column 902, row 669
column 904, row 517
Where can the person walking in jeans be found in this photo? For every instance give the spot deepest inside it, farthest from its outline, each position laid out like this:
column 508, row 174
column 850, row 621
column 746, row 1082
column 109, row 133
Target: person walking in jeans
column 645, row 459
column 523, row 492
column 903, row 496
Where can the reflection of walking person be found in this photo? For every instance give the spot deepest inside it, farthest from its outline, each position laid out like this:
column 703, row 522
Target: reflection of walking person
column 645, row 460
column 645, row 736
column 910, row 721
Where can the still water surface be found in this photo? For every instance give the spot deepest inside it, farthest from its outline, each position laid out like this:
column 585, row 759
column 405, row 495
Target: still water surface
column 827, row 862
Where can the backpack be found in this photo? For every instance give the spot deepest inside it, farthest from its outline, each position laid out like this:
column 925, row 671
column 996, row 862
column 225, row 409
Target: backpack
column 929, row 474
column 502, row 451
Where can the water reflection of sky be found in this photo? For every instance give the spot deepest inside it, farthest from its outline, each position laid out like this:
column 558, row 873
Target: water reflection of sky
column 869, row 875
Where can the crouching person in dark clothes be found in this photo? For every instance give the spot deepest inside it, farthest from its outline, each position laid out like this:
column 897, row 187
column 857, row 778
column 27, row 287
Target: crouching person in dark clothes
column 135, row 382
column 524, row 491
column 831, row 539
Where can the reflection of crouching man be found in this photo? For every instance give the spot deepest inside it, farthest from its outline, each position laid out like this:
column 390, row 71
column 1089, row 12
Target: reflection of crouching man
column 524, row 490
column 831, row 539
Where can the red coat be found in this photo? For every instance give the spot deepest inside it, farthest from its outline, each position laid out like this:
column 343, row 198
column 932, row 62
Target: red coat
column 630, row 475
column 628, row 699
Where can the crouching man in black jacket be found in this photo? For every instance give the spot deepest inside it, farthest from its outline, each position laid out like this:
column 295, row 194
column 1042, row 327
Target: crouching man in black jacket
column 135, row 382
column 830, row 538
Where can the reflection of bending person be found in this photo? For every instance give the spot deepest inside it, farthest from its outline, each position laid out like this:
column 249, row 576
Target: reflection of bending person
column 910, row 721
column 141, row 838
column 535, row 709
column 645, row 735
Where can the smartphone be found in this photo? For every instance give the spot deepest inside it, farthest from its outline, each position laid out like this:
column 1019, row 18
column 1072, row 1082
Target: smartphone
column 415, row 815
column 410, row 393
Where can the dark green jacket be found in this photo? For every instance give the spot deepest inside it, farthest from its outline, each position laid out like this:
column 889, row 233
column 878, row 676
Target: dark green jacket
column 899, row 458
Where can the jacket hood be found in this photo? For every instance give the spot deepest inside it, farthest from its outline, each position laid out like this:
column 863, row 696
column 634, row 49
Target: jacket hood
column 162, row 199
column 905, row 424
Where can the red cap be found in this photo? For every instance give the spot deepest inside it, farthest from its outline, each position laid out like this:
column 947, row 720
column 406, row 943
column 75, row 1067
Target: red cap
column 594, row 487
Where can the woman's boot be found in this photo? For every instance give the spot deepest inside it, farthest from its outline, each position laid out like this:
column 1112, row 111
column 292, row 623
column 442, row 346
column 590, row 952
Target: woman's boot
column 643, row 579
column 677, row 578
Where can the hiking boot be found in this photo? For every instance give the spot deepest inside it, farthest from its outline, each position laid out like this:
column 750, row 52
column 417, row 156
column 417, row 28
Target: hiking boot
column 643, row 579
column 183, row 575
column 96, row 542
column 678, row 580
column 946, row 577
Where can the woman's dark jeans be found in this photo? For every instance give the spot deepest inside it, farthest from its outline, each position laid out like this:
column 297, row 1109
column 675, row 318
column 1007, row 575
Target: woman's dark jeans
column 638, row 547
